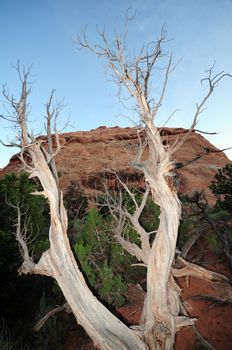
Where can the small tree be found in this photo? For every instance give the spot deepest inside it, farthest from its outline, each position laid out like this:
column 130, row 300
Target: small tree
column 222, row 187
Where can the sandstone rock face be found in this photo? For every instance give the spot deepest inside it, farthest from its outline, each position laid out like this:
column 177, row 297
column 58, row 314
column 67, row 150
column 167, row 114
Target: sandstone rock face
column 88, row 156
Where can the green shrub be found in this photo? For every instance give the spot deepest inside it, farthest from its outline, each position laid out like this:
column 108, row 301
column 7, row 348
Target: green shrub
column 16, row 190
column 183, row 234
column 17, row 310
column 222, row 187
column 105, row 263
column 214, row 242
column 100, row 258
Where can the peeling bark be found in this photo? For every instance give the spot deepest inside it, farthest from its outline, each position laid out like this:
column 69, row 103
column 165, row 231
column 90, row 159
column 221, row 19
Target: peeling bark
column 101, row 325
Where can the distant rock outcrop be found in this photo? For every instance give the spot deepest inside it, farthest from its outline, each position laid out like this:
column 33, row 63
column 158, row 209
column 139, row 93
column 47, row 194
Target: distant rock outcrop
column 87, row 156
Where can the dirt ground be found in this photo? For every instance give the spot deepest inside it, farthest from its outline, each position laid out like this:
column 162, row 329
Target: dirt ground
column 214, row 320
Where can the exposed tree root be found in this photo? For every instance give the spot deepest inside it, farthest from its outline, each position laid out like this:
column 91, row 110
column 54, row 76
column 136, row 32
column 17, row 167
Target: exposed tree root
column 202, row 340
column 191, row 269
column 216, row 300
column 49, row 314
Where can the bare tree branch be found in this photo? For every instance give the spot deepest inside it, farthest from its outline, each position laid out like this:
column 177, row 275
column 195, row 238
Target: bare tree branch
column 197, row 271
column 20, row 108
column 53, row 113
column 212, row 84
column 107, row 331
column 203, row 154
column 49, row 314
column 205, row 132
column 21, row 236
column 121, row 215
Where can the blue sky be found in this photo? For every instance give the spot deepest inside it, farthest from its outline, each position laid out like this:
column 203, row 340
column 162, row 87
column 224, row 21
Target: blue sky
column 41, row 32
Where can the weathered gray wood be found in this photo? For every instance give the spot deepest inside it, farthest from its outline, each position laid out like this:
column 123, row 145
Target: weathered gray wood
column 107, row 331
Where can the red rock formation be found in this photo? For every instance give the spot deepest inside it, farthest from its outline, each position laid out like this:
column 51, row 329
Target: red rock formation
column 87, row 156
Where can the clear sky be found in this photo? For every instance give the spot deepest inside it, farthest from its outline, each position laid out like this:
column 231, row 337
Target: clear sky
column 41, row 32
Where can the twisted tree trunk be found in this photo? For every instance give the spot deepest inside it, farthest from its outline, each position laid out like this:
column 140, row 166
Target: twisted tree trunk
column 162, row 301
column 107, row 331
column 162, row 305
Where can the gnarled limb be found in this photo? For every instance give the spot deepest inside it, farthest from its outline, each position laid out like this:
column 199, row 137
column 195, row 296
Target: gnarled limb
column 122, row 216
column 204, row 153
column 183, row 321
column 190, row 242
column 106, row 330
column 191, row 269
column 28, row 266
column 134, row 72
column 49, row 314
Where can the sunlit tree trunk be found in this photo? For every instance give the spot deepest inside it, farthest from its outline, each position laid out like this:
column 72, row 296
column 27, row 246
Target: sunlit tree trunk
column 58, row 262
column 101, row 325
column 134, row 72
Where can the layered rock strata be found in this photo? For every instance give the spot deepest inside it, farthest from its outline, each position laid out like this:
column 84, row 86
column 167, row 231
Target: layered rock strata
column 90, row 158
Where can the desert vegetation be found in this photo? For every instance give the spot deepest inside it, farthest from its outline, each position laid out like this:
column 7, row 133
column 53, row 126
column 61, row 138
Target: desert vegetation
column 108, row 270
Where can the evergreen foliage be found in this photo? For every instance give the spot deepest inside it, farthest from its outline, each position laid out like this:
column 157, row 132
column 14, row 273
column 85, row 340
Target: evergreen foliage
column 19, row 295
column 16, row 190
column 101, row 258
column 106, row 265
column 210, row 222
column 222, row 187
column 76, row 204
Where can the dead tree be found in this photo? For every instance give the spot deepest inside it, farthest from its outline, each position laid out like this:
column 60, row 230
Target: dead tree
column 161, row 317
column 106, row 330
